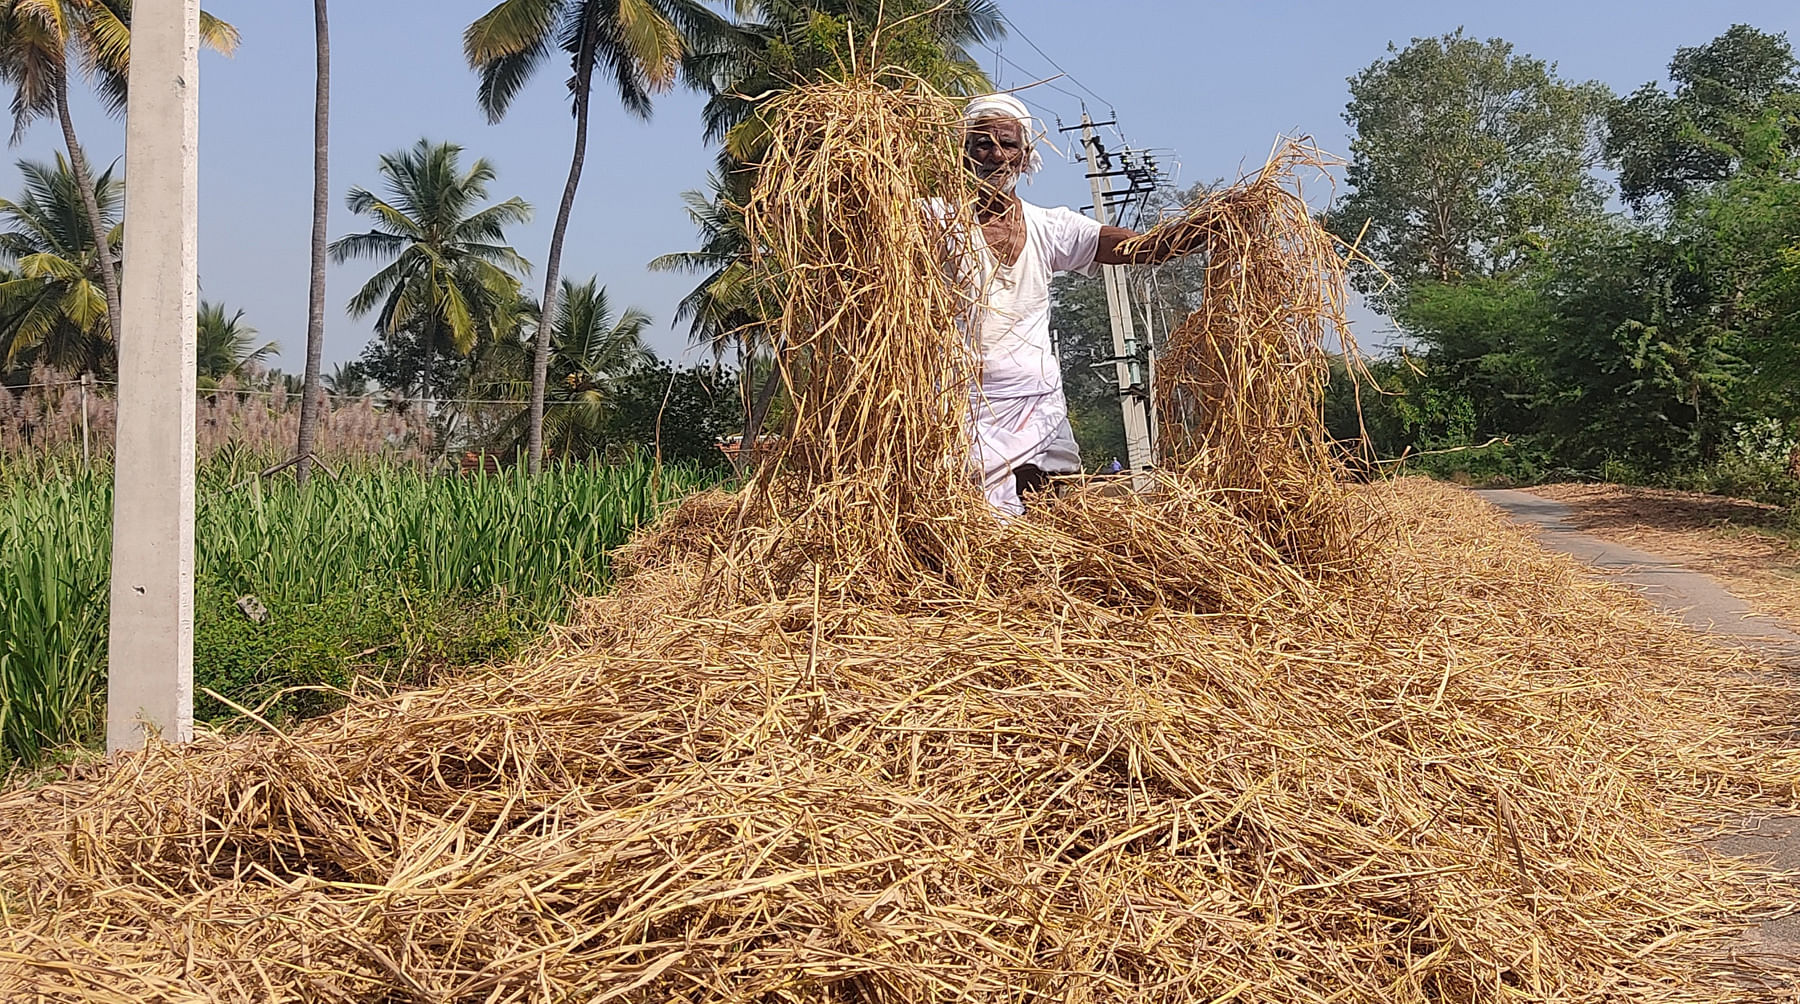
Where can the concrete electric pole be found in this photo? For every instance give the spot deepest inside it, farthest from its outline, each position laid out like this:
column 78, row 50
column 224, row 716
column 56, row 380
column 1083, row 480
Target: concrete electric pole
column 1132, row 383
column 150, row 653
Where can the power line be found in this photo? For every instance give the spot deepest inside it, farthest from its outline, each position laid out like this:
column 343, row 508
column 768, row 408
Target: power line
column 1054, row 64
column 1051, row 84
column 214, row 392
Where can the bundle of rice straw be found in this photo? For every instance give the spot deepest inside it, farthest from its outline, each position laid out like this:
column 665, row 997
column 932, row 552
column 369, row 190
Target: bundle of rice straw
column 868, row 484
column 859, row 222
column 1120, row 750
column 1240, row 385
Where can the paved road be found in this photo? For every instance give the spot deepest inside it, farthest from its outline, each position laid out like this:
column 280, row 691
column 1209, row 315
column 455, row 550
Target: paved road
column 1699, row 600
column 1705, row 605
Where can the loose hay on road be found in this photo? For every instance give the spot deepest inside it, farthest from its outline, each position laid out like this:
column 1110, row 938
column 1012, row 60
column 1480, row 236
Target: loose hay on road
column 820, row 746
column 1474, row 781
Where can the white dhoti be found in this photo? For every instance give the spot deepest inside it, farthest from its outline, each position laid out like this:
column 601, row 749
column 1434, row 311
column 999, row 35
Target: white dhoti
column 1010, row 433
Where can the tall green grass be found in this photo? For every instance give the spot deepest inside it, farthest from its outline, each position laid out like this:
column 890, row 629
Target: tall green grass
column 55, row 547
column 382, row 564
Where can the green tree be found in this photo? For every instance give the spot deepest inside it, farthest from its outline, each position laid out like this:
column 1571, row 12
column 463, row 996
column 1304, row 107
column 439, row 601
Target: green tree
column 592, row 351
column 1740, row 243
column 1648, row 340
column 38, row 41
column 1612, row 350
column 1736, row 102
column 448, row 277
column 1483, row 342
column 783, row 43
column 638, row 43
column 1466, row 158
column 1714, row 167
column 54, row 305
column 680, row 413
column 720, row 310
column 225, row 347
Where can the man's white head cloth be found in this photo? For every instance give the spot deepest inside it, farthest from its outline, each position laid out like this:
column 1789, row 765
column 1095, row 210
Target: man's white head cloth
column 1005, row 106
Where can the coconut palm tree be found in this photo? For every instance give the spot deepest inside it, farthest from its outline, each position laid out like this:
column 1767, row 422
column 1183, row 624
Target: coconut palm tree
column 310, row 398
column 639, row 44
column 225, row 346
column 719, row 310
column 591, row 349
column 54, row 305
column 722, row 312
column 781, row 43
column 448, row 278
column 346, row 381
column 38, row 40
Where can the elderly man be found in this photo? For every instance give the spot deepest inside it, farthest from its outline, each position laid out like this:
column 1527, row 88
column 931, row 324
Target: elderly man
column 1021, row 420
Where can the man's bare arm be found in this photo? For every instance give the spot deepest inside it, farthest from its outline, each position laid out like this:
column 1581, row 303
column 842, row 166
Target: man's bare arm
column 1150, row 254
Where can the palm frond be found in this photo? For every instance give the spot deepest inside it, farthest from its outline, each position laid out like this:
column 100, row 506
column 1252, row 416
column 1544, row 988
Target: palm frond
column 502, row 79
column 379, row 287
column 50, row 266
column 83, row 304
column 374, row 244
column 458, row 318
column 649, row 41
column 490, row 224
column 505, row 47
column 218, row 35
column 612, row 53
column 510, row 28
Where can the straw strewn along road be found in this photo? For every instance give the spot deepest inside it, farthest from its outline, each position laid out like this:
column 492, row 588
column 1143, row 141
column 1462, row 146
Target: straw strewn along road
column 1699, row 601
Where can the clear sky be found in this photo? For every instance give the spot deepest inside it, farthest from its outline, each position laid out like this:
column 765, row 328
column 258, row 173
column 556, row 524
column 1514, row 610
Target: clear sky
column 1215, row 82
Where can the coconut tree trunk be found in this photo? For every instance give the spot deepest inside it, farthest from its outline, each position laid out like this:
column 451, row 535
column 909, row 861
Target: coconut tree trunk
column 311, row 401
column 425, row 430
column 745, row 461
column 84, row 180
column 540, row 363
column 746, row 386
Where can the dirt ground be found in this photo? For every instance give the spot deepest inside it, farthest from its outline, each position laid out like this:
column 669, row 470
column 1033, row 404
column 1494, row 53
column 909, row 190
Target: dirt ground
column 1729, row 539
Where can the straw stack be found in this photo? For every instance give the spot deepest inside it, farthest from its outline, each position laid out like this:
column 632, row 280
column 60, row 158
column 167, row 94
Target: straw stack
column 1474, row 782
column 865, row 486
column 845, row 737
column 1240, row 385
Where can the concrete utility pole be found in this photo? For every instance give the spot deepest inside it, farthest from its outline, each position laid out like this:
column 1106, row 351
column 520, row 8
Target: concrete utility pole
column 150, row 653
column 1118, row 304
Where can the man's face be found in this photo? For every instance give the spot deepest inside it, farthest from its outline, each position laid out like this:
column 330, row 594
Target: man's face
column 995, row 150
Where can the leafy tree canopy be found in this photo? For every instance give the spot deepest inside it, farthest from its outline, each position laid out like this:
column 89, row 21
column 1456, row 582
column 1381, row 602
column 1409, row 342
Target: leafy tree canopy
column 1467, row 158
column 1736, row 103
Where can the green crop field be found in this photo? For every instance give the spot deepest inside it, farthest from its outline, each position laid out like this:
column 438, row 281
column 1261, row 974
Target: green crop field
column 383, row 572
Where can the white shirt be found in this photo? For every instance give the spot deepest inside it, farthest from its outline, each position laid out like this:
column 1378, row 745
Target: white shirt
column 1013, row 308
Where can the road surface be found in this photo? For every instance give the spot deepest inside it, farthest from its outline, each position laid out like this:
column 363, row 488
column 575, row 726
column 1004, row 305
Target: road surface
column 1703, row 604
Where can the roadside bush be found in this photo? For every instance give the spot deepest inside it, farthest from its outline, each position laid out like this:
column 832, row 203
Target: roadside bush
column 295, row 663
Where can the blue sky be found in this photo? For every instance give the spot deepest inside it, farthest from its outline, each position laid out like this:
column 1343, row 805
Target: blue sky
column 1215, row 82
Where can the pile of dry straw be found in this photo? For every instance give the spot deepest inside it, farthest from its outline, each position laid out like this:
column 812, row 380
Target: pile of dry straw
column 843, row 736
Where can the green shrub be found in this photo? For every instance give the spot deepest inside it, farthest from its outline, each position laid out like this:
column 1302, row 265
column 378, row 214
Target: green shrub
column 1502, row 464
column 387, row 637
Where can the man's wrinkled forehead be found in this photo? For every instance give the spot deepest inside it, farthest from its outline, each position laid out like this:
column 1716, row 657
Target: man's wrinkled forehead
column 998, row 128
